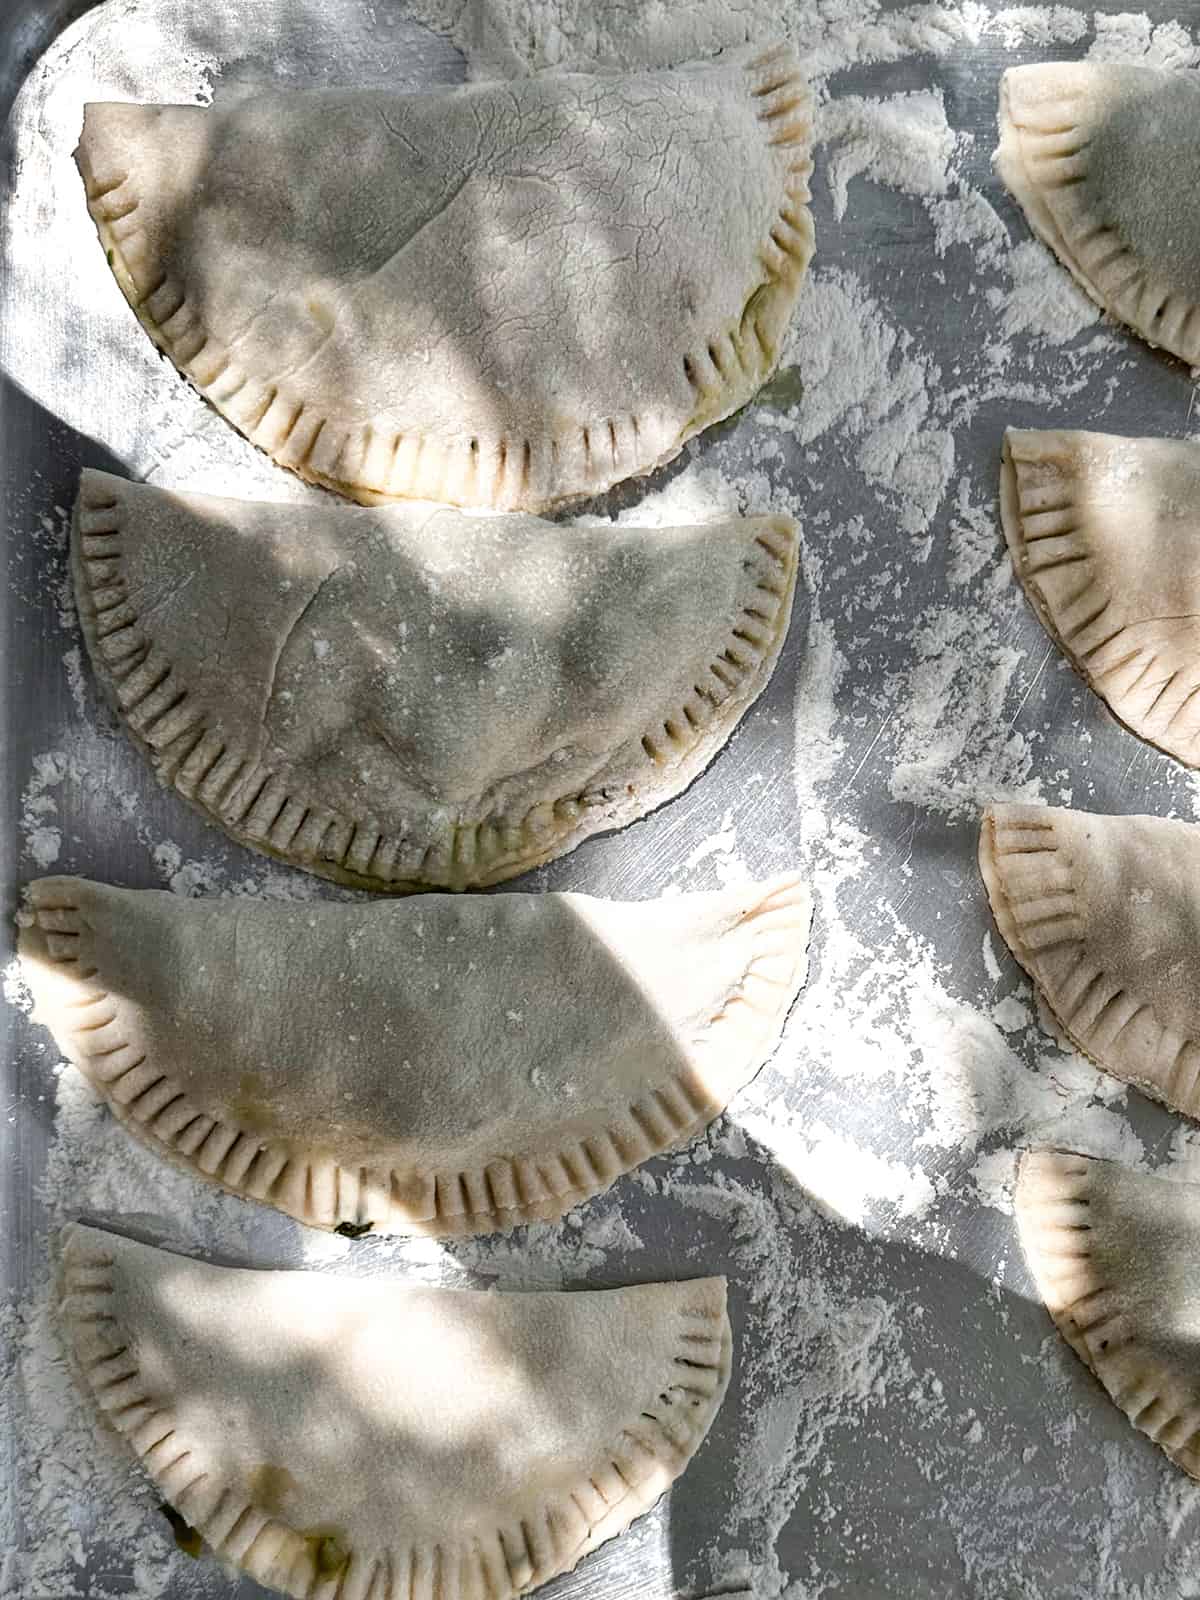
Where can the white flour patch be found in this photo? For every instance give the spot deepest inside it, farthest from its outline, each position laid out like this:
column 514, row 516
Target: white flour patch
column 720, row 850
column 73, row 667
column 968, row 219
column 1130, row 36
column 1042, row 297
column 1010, row 1015
column 904, row 142
column 16, row 991
column 817, row 682
column 973, row 537
column 39, row 809
column 502, row 38
column 957, row 747
column 1018, row 26
column 914, row 1069
column 852, row 1183
column 182, row 877
column 866, row 376
column 697, row 495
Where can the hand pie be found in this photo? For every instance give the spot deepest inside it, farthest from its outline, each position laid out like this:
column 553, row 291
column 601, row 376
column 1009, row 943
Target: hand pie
column 399, row 698
column 453, row 1064
column 357, row 1439
column 505, row 295
column 1104, row 162
column 1105, row 536
column 1114, row 1254
column 1104, row 915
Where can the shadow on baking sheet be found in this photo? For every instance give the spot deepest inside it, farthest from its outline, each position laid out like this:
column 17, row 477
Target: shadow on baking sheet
column 843, row 1342
column 33, row 725
column 500, row 313
column 836, row 1336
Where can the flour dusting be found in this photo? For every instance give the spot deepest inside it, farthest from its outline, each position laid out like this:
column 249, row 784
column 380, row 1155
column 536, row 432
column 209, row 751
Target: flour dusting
column 1041, row 298
column 905, row 143
column 901, row 1411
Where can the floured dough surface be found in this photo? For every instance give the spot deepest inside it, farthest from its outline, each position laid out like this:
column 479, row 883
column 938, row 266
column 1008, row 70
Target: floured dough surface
column 401, row 697
column 359, row 1438
column 1104, row 915
column 1114, row 1254
column 1104, row 160
column 506, row 295
column 445, row 1065
column 1104, row 534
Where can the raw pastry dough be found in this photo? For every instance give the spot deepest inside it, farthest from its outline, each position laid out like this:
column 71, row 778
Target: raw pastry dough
column 1114, row 1256
column 1105, row 163
column 452, row 1064
column 400, row 698
column 356, row 1439
column 1104, row 915
column 508, row 295
column 1104, row 534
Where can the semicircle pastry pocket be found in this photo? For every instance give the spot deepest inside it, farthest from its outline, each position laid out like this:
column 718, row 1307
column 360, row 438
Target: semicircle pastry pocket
column 364, row 1437
column 1104, row 161
column 443, row 1065
column 528, row 292
column 398, row 698
column 1104, row 535
column 1113, row 1253
column 1103, row 913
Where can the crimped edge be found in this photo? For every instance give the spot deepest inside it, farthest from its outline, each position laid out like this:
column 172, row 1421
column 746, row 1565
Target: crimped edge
column 371, row 465
column 261, row 808
column 97, row 1036
column 1087, row 639
column 647, row 1455
column 1042, row 160
column 1053, row 1208
column 1089, row 1004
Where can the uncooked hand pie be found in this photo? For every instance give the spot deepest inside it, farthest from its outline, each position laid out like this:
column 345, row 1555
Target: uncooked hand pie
column 446, row 1065
column 1104, row 915
column 357, row 1438
column 1105, row 162
column 1104, row 535
column 404, row 697
column 1114, row 1255
column 505, row 295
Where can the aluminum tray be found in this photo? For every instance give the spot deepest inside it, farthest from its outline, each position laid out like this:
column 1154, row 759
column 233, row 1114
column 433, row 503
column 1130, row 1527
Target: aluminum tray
column 960, row 1452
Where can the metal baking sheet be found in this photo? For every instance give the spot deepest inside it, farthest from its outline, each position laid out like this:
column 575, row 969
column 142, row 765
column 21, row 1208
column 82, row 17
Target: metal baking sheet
column 902, row 1420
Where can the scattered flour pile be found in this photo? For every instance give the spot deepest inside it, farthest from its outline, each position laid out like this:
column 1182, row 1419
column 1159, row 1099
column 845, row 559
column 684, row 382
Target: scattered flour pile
column 905, row 143
column 859, row 1194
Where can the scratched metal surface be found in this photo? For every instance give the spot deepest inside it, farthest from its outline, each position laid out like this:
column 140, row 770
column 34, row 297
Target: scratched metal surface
column 893, row 1506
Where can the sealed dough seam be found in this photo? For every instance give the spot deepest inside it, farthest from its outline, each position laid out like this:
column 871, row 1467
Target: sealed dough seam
column 315, row 1188
column 651, row 1449
column 260, row 806
column 370, row 465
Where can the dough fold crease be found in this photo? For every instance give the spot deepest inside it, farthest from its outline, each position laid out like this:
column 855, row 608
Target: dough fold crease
column 449, row 1065
column 531, row 292
column 1113, row 1254
column 400, row 699
column 1104, row 915
column 346, row 1438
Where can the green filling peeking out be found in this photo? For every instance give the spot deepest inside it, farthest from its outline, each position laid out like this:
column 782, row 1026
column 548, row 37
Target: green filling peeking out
column 186, row 1537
